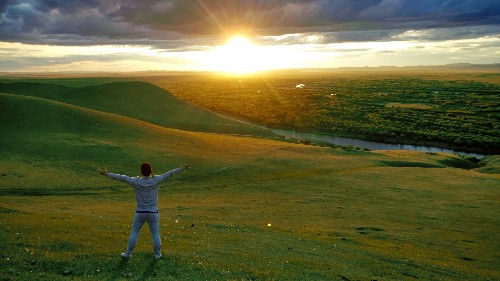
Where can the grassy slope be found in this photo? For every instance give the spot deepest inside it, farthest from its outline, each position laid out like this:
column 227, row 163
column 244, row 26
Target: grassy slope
column 334, row 215
column 492, row 165
column 138, row 100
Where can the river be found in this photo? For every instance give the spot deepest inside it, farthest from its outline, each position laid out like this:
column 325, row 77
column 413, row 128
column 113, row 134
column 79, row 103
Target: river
column 368, row 144
column 356, row 142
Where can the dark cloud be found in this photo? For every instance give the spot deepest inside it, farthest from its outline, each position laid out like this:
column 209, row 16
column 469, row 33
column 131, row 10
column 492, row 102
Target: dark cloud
column 268, row 17
column 431, row 34
column 162, row 23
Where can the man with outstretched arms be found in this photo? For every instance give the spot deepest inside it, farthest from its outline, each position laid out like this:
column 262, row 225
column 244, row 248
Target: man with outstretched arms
column 146, row 195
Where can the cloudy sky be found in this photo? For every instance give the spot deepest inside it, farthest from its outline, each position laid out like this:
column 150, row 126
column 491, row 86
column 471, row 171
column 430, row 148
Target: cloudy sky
column 133, row 35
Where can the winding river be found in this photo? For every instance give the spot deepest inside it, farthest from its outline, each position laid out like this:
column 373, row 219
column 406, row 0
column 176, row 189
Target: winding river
column 356, row 142
column 367, row 144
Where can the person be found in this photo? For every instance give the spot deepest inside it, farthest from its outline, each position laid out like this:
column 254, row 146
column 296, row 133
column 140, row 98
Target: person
column 146, row 195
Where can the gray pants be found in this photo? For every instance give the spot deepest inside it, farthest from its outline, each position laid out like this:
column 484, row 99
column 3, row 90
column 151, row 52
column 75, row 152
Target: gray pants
column 153, row 220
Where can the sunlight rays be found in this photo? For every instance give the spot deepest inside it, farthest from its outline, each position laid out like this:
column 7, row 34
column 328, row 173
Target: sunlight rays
column 240, row 55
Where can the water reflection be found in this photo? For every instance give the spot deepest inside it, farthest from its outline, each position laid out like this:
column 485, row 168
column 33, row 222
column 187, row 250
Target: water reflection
column 368, row 144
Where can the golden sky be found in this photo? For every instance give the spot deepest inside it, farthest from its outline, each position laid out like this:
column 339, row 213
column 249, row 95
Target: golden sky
column 244, row 36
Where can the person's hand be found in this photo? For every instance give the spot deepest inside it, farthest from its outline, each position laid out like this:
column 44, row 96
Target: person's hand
column 187, row 166
column 102, row 171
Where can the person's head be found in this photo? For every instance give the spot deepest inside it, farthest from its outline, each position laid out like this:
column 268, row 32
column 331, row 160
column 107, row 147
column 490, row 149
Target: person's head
column 146, row 169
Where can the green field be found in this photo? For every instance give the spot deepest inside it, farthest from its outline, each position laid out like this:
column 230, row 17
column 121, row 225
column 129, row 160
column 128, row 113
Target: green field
column 453, row 110
column 252, row 208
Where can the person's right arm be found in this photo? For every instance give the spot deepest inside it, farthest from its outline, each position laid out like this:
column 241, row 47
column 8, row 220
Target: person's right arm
column 168, row 174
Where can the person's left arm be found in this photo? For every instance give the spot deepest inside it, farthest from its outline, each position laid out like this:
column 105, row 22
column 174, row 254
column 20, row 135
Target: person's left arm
column 170, row 173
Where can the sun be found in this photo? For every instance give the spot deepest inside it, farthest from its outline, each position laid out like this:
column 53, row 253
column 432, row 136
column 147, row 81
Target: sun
column 238, row 43
column 238, row 55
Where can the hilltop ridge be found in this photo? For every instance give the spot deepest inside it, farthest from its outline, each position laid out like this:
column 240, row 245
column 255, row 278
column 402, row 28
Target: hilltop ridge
column 139, row 100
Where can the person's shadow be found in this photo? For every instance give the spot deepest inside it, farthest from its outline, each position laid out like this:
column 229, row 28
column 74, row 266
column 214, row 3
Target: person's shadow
column 149, row 270
column 122, row 265
column 120, row 269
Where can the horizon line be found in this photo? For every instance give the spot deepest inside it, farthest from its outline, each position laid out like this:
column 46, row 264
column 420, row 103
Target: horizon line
column 456, row 66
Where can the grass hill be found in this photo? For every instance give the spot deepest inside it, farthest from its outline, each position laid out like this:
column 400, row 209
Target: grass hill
column 250, row 209
column 61, row 135
column 138, row 100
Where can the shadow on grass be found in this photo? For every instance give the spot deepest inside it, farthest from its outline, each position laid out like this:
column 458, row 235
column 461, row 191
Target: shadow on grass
column 144, row 267
column 43, row 192
column 462, row 163
column 120, row 268
column 410, row 164
column 149, row 270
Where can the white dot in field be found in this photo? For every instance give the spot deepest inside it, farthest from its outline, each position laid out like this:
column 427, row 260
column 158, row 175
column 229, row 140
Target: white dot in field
column 268, row 224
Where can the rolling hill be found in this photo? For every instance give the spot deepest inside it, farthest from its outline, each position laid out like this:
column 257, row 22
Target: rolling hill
column 250, row 208
column 138, row 100
column 51, row 134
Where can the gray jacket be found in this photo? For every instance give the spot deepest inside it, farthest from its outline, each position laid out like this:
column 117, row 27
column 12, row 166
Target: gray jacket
column 146, row 188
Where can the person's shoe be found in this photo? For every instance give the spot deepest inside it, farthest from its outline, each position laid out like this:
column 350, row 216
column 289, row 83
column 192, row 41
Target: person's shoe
column 157, row 257
column 125, row 256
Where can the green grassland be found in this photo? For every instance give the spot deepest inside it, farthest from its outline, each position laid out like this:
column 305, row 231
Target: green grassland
column 453, row 110
column 250, row 209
